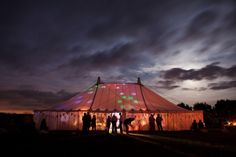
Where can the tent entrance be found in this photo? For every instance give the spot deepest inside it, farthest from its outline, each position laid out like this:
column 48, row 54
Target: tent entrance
column 117, row 122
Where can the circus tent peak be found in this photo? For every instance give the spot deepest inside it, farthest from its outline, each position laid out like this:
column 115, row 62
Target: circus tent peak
column 117, row 97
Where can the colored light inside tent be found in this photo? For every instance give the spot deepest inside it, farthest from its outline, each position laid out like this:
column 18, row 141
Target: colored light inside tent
column 117, row 87
column 121, row 93
column 143, row 122
column 136, row 101
column 78, row 101
column 80, row 97
column 122, row 106
column 133, row 94
column 90, row 101
column 119, row 101
column 130, row 97
column 124, row 97
column 75, row 123
column 103, row 87
column 91, row 92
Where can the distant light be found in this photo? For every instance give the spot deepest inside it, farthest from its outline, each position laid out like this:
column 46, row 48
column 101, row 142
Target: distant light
column 117, row 87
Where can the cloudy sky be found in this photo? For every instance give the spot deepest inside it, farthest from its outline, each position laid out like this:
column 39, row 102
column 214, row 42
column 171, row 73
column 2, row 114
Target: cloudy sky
column 50, row 50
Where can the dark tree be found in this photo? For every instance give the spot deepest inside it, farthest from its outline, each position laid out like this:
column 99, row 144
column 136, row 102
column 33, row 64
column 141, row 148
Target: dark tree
column 185, row 106
column 208, row 113
column 225, row 108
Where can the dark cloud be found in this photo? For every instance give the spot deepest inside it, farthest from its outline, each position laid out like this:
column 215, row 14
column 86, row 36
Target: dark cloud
column 54, row 45
column 222, row 85
column 209, row 72
column 33, row 99
column 200, row 25
column 167, row 84
column 195, row 89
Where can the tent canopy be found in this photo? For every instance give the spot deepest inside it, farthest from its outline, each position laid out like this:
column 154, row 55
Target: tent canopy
column 117, row 97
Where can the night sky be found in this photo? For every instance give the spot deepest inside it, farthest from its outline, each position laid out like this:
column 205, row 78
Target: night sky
column 51, row 50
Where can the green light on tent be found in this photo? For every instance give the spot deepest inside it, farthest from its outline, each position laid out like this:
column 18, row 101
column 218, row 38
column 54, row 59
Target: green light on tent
column 122, row 106
column 124, row 97
column 130, row 97
column 119, row 101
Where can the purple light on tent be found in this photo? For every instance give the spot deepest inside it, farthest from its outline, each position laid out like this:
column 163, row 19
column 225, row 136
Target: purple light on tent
column 89, row 102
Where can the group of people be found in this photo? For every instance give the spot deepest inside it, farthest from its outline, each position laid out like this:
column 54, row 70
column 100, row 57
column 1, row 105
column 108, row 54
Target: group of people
column 88, row 122
column 197, row 126
column 112, row 120
column 158, row 121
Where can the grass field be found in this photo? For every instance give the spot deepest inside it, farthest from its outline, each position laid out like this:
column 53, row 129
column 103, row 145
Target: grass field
column 184, row 143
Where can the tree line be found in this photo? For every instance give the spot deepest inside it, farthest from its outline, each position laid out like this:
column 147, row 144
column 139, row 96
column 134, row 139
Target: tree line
column 217, row 115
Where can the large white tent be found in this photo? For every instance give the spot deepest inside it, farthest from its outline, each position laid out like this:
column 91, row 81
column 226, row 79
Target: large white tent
column 103, row 99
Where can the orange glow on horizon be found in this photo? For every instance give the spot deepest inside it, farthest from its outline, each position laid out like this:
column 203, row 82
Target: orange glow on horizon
column 17, row 111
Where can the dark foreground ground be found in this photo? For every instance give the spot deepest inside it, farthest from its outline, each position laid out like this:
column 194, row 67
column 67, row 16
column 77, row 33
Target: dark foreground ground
column 176, row 144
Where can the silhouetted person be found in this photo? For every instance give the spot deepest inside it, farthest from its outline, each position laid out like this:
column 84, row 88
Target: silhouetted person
column 85, row 123
column 159, row 122
column 151, row 123
column 121, row 123
column 93, row 123
column 43, row 125
column 194, row 126
column 88, row 121
column 108, row 123
column 113, row 122
column 200, row 124
column 127, row 123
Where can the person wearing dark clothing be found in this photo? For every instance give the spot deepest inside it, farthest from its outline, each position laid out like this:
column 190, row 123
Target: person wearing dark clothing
column 159, row 122
column 108, row 123
column 113, row 122
column 121, row 123
column 43, row 125
column 93, row 123
column 88, row 121
column 151, row 123
column 200, row 124
column 127, row 123
column 85, row 123
column 194, row 126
